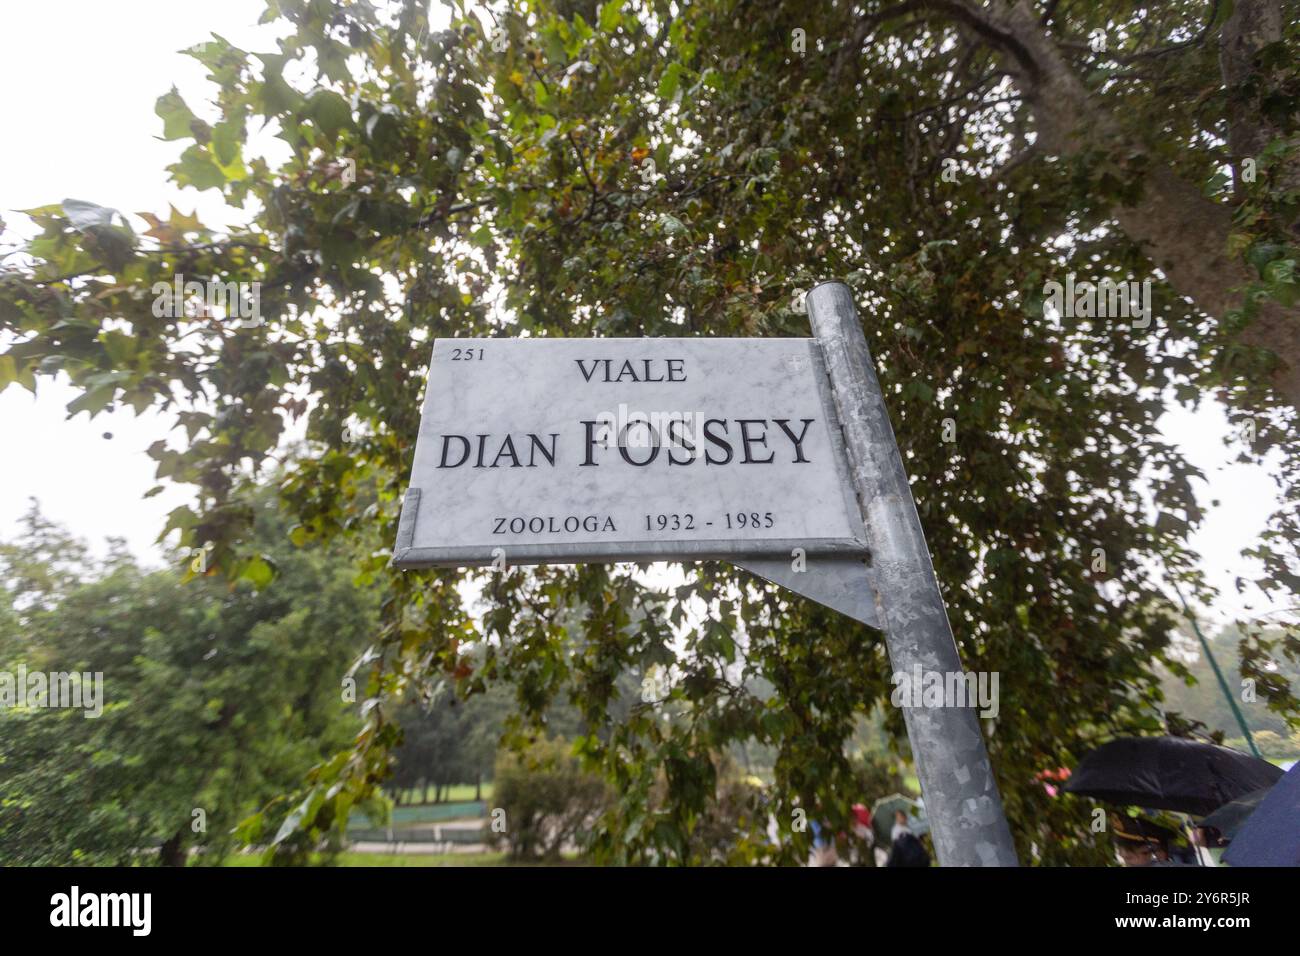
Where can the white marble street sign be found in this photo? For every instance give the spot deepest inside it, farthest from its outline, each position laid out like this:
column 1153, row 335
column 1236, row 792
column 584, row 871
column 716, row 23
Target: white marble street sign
column 563, row 451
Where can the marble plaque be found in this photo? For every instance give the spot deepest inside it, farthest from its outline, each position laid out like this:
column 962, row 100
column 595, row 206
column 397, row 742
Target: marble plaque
column 560, row 451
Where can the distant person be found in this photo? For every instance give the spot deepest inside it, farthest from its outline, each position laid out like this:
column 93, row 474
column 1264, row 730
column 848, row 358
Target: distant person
column 862, row 830
column 900, row 825
column 1140, row 842
column 823, row 853
column 907, row 849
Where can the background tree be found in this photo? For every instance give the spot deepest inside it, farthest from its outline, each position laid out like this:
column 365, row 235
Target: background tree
column 548, row 801
column 446, row 741
column 1192, row 689
column 217, row 698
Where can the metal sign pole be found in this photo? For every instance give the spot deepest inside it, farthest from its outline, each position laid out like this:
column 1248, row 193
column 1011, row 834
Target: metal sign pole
column 961, row 796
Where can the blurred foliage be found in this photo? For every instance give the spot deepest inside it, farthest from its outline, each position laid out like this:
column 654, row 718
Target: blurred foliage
column 446, row 741
column 544, row 801
column 217, row 697
column 1191, row 690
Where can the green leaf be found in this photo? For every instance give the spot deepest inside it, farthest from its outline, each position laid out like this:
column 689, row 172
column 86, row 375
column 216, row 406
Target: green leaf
column 85, row 216
column 273, row 94
column 1261, row 254
column 113, row 245
column 611, row 14
column 672, row 225
column 93, row 401
column 197, row 169
column 917, row 390
column 260, row 571
column 330, row 112
column 119, row 346
column 304, row 811
column 669, row 82
column 227, row 138
column 176, row 116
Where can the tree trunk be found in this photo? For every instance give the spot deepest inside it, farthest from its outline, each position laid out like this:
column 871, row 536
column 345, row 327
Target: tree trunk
column 172, row 852
column 1252, row 25
column 1184, row 233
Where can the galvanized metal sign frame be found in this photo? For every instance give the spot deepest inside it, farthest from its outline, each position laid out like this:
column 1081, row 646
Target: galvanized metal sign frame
column 882, row 576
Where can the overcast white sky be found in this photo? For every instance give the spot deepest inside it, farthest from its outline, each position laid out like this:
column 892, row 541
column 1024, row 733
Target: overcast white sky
column 80, row 78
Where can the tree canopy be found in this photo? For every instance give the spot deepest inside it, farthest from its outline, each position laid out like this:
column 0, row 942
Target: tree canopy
column 214, row 700
column 561, row 168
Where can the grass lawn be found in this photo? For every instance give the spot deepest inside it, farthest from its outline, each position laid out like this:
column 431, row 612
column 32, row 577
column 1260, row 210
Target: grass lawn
column 456, row 793
column 432, row 859
column 465, row 791
column 398, row 859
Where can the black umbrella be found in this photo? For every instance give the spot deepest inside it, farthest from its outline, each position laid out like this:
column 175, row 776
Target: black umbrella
column 1169, row 773
column 1229, row 817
